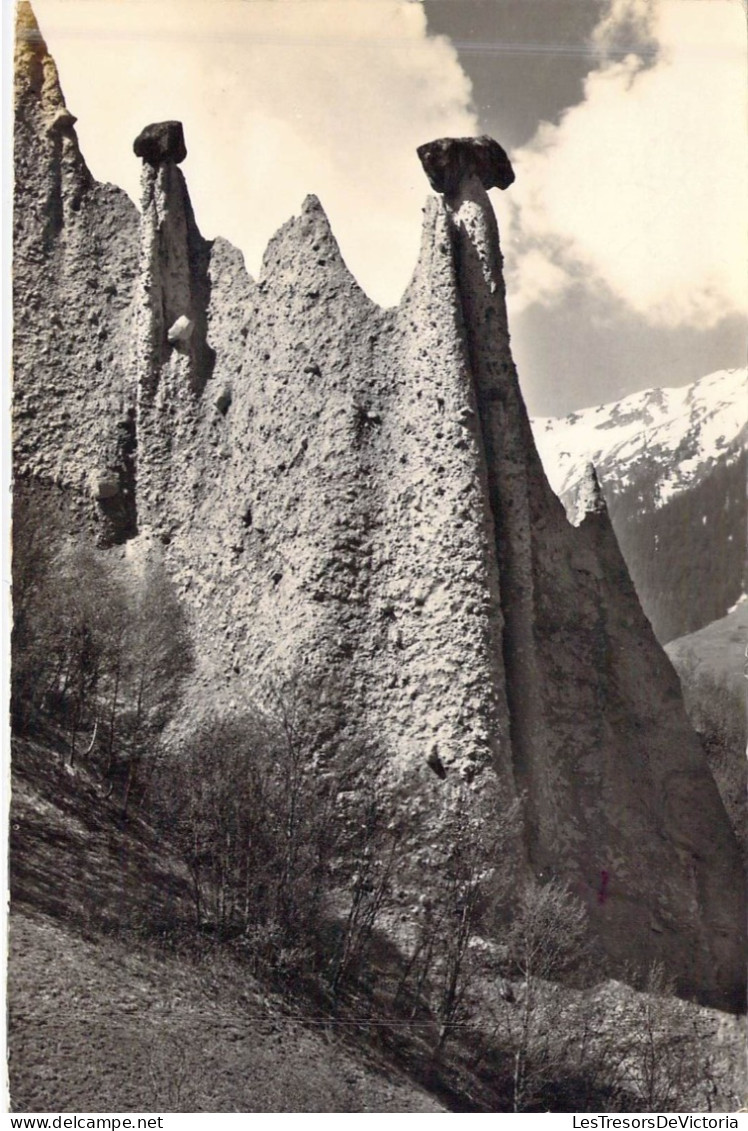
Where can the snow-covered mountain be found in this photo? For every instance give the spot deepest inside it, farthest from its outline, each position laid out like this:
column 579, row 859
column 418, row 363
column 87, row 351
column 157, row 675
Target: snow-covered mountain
column 672, row 465
column 677, row 435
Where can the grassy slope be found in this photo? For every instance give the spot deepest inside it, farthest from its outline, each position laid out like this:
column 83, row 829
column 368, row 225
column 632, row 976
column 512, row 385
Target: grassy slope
column 712, row 666
column 96, row 1025
column 718, row 650
column 102, row 1019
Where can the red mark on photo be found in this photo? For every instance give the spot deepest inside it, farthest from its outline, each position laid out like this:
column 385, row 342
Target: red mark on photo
column 602, row 894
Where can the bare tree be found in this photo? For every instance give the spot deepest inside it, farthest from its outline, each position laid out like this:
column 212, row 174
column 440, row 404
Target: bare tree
column 154, row 658
column 665, row 1057
column 62, row 648
column 546, row 939
column 370, row 856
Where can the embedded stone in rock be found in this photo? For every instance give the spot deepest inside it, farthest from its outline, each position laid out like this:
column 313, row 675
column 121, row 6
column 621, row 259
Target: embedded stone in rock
column 223, row 400
column 449, row 160
column 104, row 485
column 63, row 120
column 435, row 763
column 161, row 141
column 182, row 329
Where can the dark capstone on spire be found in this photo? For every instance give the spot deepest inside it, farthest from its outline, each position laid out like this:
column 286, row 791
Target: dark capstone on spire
column 161, row 141
column 449, row 160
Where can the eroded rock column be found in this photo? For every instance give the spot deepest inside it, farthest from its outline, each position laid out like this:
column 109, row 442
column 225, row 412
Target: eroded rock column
column 463, row 169
column 173, row 360
column 620, row 802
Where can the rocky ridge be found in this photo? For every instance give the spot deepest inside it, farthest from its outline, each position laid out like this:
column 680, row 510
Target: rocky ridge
column 353, row 496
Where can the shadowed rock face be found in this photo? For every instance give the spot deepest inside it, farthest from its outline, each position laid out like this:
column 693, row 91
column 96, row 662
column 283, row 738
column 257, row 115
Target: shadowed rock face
column 355, row 494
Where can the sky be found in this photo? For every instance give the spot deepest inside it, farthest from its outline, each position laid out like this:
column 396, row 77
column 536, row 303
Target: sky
column 624, row 234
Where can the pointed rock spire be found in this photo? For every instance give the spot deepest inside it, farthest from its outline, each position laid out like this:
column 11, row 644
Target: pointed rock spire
column 44, row 131
column 36, row 78
column 590, row 499
column 31, row 50
column 303, row 264
column 74, row 257
column 308, row 241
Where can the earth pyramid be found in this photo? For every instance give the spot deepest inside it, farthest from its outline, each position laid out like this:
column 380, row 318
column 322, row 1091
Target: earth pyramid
column 354, row 494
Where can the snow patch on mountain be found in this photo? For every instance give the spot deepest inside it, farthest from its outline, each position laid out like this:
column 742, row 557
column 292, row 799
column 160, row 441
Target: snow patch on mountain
column 674, row 436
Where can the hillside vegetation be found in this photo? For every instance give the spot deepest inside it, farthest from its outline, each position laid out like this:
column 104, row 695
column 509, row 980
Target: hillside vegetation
column 220, row 922
column 117, row 1002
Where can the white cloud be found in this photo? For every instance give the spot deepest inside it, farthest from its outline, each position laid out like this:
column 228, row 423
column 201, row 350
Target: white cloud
column 542, row 281
column 642, row 186
column 278, row 98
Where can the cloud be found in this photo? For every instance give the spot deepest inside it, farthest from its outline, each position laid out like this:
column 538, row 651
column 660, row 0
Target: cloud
column 628, row 27
column 279, row 98
column 641, row 188
column 537, row 279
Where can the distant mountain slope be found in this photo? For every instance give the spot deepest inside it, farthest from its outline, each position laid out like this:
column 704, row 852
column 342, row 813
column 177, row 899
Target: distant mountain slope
column 673, row 469
column 717, row 651
column 681, row 434
column 712, row 667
